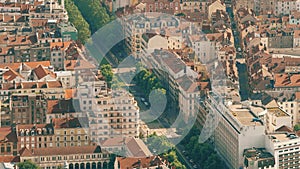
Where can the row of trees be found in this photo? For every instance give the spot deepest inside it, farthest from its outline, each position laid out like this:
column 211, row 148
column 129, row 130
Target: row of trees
column 147, row 81
column 158, row 144
column 78, row 21
column 203, row 153
column 94, row 12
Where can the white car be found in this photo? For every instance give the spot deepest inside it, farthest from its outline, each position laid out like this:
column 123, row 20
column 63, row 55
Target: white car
column 143, row 99
column 146, row 103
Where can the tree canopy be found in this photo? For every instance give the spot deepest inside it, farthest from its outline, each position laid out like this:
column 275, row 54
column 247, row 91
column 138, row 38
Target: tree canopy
column 27, row 165
column 78, row 21
column 94, row 12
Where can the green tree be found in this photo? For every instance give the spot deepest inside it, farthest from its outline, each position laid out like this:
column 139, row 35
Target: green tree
column 106, row 71
column 297, row 127
column 78, row 21
column 28, row 164
column 94, row 12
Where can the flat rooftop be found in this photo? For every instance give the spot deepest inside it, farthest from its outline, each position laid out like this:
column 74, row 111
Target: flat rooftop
column 277, row 112
column 244, row 115
column 282, row 137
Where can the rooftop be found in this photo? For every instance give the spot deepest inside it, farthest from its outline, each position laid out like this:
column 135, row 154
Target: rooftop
column 244, row 115
column 24, row 152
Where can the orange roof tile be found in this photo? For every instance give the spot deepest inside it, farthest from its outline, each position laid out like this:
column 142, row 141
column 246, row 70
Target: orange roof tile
column 70, row 93
column 32, row 65
column 285, row 80
column 60, row 45
column 9, row 159
column 41, row 72
column 78, row 64
column 130, row 163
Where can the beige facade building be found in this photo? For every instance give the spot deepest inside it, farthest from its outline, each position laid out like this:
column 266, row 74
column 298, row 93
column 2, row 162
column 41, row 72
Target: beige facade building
column 65, row 157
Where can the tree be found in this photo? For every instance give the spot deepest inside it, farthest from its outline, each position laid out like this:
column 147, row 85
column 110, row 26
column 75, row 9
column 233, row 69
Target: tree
column 28, row 164
column 106, row 71
column 297, row 127
column 78, row 21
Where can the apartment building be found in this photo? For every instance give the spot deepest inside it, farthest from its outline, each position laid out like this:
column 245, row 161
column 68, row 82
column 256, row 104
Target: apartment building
column 35, row 136
column 258, row 158
column 227, row 53
column 236, row 127
column 111, row 113
column 58, row 53
column 291, row 106
column 8, row 141
column 296, row 43
column 115, row 114
column 284, row 7
column 135, row 27
column 197, row 5
column 165, row 6
column 28, row 108
column 51, row 9
column 276, row 118
column 50, row 89
column 178, row 79
column 70, row 132
column 284, row 146
column 72, row 158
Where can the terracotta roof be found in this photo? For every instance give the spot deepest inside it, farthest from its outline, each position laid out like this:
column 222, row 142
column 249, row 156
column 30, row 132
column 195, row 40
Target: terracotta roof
column 60, row 106
column 38, row 22
column 131, row 163
column 60, row 151
column 60, row 45
column 285, row 80
column 41, row 72
column 9, row 159
column 6, row 134
column 32, row 65
column 69, row 122
column 70, row 93
column 4, row 131
column 54, row 84
column 78, row 64
column 11, row 75
column 297, row 94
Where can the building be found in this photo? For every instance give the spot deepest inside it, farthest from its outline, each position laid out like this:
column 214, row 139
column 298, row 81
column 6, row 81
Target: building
column 111, row 113
column 68, row 31
column 58, row 53
column 151, row 162
column 28, row 108
column 296, row 43
column 75, row 157
column 284, row 7
column 126, row 146
column 256, row 158
column 284, row 146
column 35, row 136
column 71, row 132
column 165, row 6
column 235, row 127
column 217, row 5
column 177, row 78
column 291, row 106
column 8, row 141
